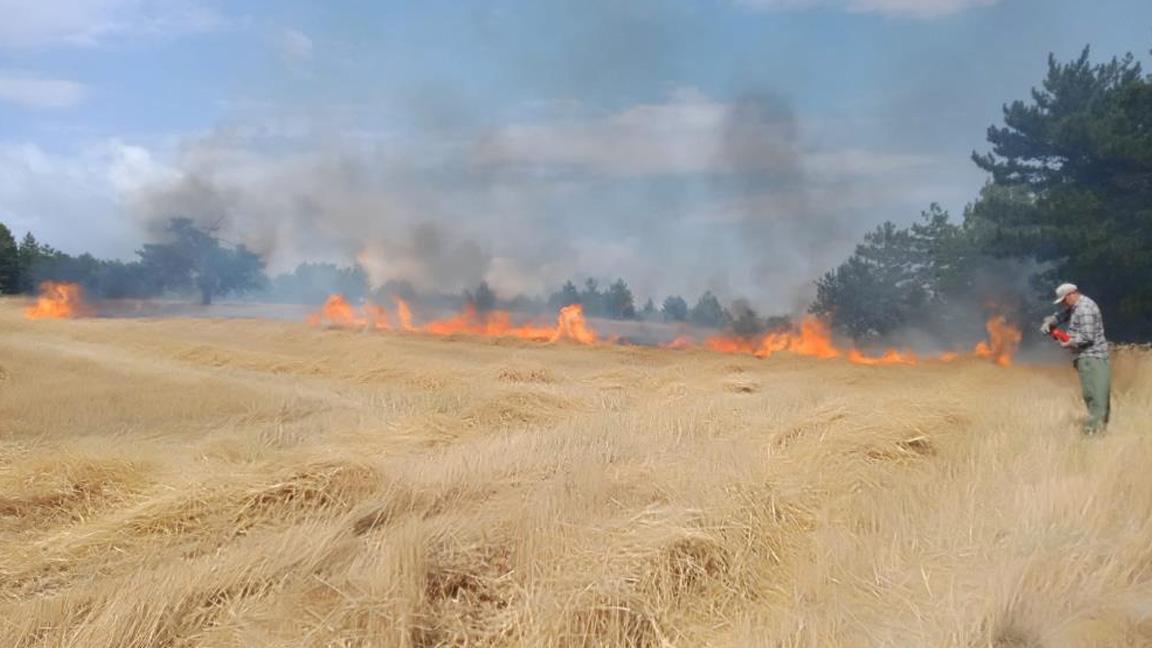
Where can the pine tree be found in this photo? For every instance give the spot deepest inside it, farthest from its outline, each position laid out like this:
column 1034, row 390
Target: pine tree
column 29, row 255
column 1072, row 172
column 483, row 300
column 9, row 262
column 649, row 310
column 566, row 296
column 618, row 301
column 675, row 309
column 708, row 312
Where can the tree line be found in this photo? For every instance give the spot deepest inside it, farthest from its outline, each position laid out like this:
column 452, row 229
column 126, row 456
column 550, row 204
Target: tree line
column 617, row 302
column 190, row 260
column 1070, row 192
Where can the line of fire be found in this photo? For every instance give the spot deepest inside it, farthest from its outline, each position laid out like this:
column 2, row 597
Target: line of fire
column 810, row 336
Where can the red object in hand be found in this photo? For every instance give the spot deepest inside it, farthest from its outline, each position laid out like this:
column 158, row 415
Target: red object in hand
column 1059, row 335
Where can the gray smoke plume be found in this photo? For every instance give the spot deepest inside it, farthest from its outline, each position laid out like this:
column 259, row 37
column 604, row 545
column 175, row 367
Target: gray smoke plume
column 679, row 193
column 793, row 228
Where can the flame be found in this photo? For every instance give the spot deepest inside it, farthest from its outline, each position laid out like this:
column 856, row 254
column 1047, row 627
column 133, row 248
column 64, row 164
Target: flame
column 378, row 317
column 570, row 324
column 890, row 357
column 405, row 314
column 337, row 312
column 811, row 337
column 1003, row 340
column 58, row 301
column 815, row 340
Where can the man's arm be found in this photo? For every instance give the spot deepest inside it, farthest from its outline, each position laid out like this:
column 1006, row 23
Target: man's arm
column 1082, row 327
column 1060, row 317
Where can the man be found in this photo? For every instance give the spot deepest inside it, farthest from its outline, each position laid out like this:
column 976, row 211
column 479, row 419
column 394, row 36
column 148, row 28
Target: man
column 1085, row 328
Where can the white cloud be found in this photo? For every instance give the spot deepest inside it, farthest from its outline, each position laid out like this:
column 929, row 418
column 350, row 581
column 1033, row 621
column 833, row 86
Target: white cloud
column 924, row 9
column 47, row 23
column 31, row 92
column 76, row 201
column 295, row 45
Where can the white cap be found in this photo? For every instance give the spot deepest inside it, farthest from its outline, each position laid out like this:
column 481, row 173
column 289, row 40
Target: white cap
column 1063, row 291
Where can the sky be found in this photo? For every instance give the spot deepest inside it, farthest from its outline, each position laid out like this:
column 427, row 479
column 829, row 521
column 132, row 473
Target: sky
column 739, row 146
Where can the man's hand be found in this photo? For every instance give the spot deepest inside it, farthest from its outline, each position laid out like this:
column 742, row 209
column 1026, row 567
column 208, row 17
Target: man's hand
column 1049, row 322
column 1068, row 344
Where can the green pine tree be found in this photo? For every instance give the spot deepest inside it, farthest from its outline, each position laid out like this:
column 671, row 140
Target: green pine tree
column 1072, row 174
column 9, row 262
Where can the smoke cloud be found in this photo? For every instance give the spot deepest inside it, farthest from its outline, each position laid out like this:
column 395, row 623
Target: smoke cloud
column 676, row 193
column 685, row 195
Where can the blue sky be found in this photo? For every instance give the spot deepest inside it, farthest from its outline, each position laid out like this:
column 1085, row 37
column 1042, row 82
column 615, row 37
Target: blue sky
column 734, row 145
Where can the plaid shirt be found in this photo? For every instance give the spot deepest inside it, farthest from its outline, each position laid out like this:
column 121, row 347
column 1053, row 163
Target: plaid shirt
column 1085, row 329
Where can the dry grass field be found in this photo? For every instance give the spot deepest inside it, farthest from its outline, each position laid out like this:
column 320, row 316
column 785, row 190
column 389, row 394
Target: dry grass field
column 249, row 483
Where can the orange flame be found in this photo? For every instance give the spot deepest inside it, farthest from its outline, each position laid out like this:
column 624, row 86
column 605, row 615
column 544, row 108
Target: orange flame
column 405, row 315
column 1003, row 340
column 570, row 325
column 811, row 337
column 378, row 317
column 890, row 357
column 338, row 313
column 58, row 301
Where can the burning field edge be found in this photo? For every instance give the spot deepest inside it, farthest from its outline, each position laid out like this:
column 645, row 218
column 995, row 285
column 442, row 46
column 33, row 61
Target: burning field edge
column 809, row 336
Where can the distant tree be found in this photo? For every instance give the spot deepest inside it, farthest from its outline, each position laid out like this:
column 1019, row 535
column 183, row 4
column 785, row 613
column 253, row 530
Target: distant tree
column 29, row 254
column 52, row 264
column 777, row 322
column 878, row 289
column 744, row 320
column 649, row 310
column 215, row 270
column 524, row 304
column 708, row 312
column 675, row 309
column 115, row 279
column 483, row 300
column 942, row 256
column 591, row 298
column 566, row 296
column 311, row 283
column 905, row 276
column 195, row 259
column 618, row 301
column 395, row 288
column 9, row 262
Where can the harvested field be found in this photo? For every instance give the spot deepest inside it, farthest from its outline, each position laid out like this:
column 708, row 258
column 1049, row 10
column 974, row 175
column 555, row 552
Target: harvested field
column 242, row 482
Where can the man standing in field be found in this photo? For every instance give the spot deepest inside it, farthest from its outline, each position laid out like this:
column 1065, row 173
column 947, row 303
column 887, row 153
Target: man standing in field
column 1085, row 328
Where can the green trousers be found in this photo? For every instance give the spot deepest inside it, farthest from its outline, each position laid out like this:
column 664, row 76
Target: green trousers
column 1096, row 386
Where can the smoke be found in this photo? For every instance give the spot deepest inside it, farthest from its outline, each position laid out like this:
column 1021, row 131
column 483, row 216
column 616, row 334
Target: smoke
column 677, row 192
column 794, row 227
column 430, row 260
